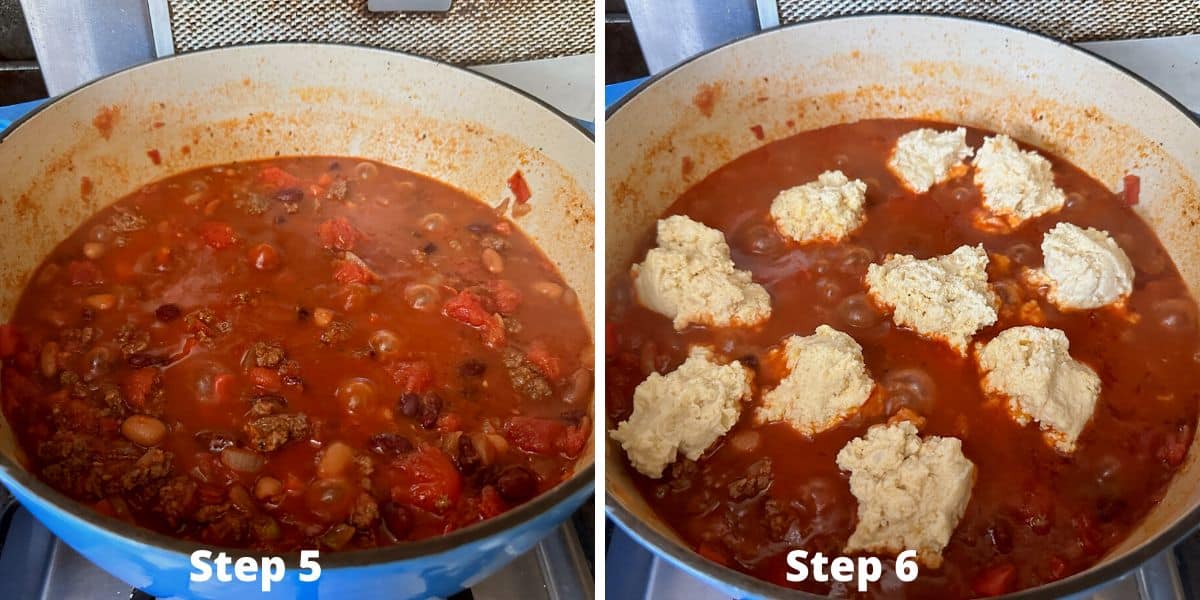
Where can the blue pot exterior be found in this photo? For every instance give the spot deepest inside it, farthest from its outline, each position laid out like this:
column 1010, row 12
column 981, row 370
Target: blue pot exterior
column 165, row 573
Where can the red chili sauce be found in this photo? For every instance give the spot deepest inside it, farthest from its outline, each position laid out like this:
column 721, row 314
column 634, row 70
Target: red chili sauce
column 1034, row 515
column 298, row 352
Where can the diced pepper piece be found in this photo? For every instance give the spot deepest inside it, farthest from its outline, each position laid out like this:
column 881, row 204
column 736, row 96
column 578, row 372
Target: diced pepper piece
column 277, row 178
column 504, row 295
column 995, row 580
column 266, row 379
column 1133, row 189
column 490, row 502
column 84, row 272
column 217, row 235
column 541, row 435
column 347, row 272
column 413, row 377
column 519, row 187
column 338, row 234
column 9, row 341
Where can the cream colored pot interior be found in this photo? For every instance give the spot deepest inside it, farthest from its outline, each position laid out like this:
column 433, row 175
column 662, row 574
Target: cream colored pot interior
column 90, row 148
column 844, row 70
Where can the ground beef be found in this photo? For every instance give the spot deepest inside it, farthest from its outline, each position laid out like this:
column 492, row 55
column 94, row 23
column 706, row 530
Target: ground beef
column 758, row 479
column 125, row 221
column 682, row 472
column 71, row 382
column 779, row 519
column 267, row 354
column 366, row 466
column 267, row 405
column 269, row 433
column 525, row 377
column 224, row 524
column 493, row 241
column 132, row 339
column 290, row 199
column 66, row 458
column 338, row 190
column 109, row 395
column 204, row 324
column 153, row 465
column 337, row 332
column 365, row 512
column 512, row 325
column 251, row 203
column 175, row 499
column 76, row 339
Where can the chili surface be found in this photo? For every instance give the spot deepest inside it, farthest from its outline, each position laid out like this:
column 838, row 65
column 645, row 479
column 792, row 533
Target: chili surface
column 1034, row 515
column 298, row 352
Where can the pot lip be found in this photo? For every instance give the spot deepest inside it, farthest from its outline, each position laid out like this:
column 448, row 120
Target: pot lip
column 581, row 480
column 878, row 15
column 701, row 567
column 575, row 124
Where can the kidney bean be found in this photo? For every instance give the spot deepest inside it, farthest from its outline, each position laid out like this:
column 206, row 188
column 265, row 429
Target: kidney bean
column 516, row 484
column 472, row 368
column 397, row 518
column 410, row 405
column 468, row 458
column 168, row 312
column 389, row 444
column 431, row 407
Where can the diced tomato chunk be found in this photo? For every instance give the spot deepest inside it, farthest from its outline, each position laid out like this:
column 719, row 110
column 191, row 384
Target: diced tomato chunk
column 467, row 308
column 414, row 376
column 711, row 552
column 217, row 235
column 1174, row 446
column 138, row 386
column 1089, row 535
column 9, row 340
column 449, row 422
column 535, row 434
column 277, row 178
column 338, row 234
column 266, row 379
column 547, row 363
column 1058, row 568
column 429, row 480
column 540, row 435
column 1133, row 189
column 490, row 502
column 84, row 272
column 995, row 580
column 519, row 187
column 223, row 388
column 346, row 272
column 576, row 438
column 504, row 295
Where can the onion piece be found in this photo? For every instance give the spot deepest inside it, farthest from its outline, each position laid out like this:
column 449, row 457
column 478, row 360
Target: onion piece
column 241, row 460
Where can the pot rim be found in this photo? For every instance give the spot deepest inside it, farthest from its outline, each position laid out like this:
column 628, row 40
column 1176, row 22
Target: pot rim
column 703, row 568
column 511, row 519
